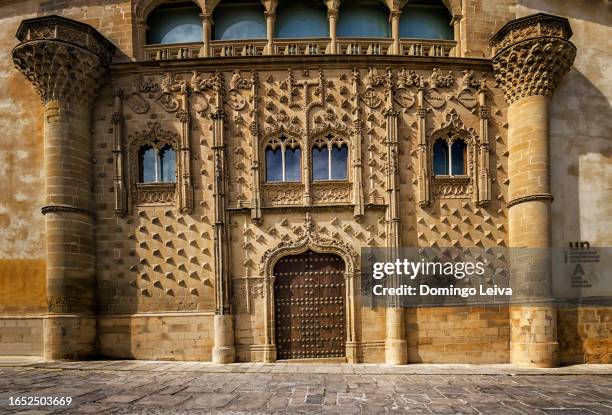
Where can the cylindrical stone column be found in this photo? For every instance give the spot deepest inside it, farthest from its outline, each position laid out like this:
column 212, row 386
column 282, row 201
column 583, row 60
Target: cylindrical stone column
column 396, row 346
column 332, row 17
column 206, row 34
column 394, row 17
column 531, row 56
column 270, row 20
column 224, row 350
column 67, row 61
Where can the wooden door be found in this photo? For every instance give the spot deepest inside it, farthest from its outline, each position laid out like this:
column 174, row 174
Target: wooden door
column 309, row 297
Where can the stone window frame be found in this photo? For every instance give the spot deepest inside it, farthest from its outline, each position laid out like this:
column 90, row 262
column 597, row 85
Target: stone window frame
column 329, row 139
column 160, row 155
column 334, row 191
column 153, row 193
column 450, row 140
column 282, row 141
column 454, row 186
column 307, row 191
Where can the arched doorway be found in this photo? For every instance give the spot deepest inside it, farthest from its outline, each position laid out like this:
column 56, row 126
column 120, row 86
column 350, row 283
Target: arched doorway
column 309, row 306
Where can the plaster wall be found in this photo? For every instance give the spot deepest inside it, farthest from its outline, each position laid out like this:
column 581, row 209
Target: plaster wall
column 22, row 228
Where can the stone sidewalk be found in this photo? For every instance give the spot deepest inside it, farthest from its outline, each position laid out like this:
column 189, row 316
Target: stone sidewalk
column 145, row 387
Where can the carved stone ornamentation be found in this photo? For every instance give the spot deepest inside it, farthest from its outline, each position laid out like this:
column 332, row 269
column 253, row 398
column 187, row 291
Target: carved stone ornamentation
column 435, row 99
column 532, row 55
column 283, row 194
column 467, row 99
column 371, row 98
column 437, row 80
column 310, row 239
column 452, row 187
column 332, row 193
column 153, row 194
column 66, row 61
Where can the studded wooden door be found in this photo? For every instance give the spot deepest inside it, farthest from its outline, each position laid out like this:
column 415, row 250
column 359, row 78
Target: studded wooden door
column 309, row 306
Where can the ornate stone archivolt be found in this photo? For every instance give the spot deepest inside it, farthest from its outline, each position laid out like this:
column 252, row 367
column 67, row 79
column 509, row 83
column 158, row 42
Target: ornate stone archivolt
column 313, row 240
column 532, row 55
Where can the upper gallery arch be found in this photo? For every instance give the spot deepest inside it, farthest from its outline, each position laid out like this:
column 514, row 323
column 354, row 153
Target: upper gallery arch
column 174, row 22
column 426, row 19
column 301, row 19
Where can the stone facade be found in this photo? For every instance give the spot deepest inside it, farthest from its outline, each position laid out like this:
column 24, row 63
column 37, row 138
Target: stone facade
column 185, row 270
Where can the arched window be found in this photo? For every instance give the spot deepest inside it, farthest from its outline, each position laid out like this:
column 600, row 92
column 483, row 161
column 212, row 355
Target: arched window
column 458, row 158
column 174, row 23
column 301, row 19
column 240, row 19
column 426, row 19
column 283, row 160
column 329, row 159
column 156, row 166
column 440, row 161
column 449, row 159
column 363, row 18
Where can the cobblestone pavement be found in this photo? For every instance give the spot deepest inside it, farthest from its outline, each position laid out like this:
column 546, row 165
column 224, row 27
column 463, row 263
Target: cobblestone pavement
column 191, row 388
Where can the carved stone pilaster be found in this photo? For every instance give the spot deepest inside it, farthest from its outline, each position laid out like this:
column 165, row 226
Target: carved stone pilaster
column 67, row 62
column 255, row 170
column 423, row 168
column 483, row 183
column 119, row 186
column 186, row 183
column 531, row 55
column 358, row 198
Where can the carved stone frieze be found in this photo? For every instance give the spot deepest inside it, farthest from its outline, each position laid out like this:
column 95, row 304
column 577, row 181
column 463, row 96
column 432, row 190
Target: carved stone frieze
column 153, row 194
column 531, row 27
column 331, row 192
column 532, row 55
column 283, row 194
column 452, row 187
column 66, row 30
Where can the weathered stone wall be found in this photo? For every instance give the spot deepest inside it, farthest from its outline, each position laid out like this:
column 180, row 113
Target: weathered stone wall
column 458, row 334
column 22, row 229
column 584, row 334
column 156, row 336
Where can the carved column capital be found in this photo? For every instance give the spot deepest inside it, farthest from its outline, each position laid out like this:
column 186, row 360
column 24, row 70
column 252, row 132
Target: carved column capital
column 332, row 13
column 65, row 60
column 531, row 55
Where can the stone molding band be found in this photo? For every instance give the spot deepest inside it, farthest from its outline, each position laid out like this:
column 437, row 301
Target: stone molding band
column 530, row 198
column 67, row 209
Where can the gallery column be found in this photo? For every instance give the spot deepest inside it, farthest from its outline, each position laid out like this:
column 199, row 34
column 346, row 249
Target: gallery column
column 531, row 55
column 332, row 18
column 67, row 62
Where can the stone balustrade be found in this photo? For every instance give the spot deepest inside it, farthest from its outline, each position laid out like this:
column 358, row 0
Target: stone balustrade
column 315, row 46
